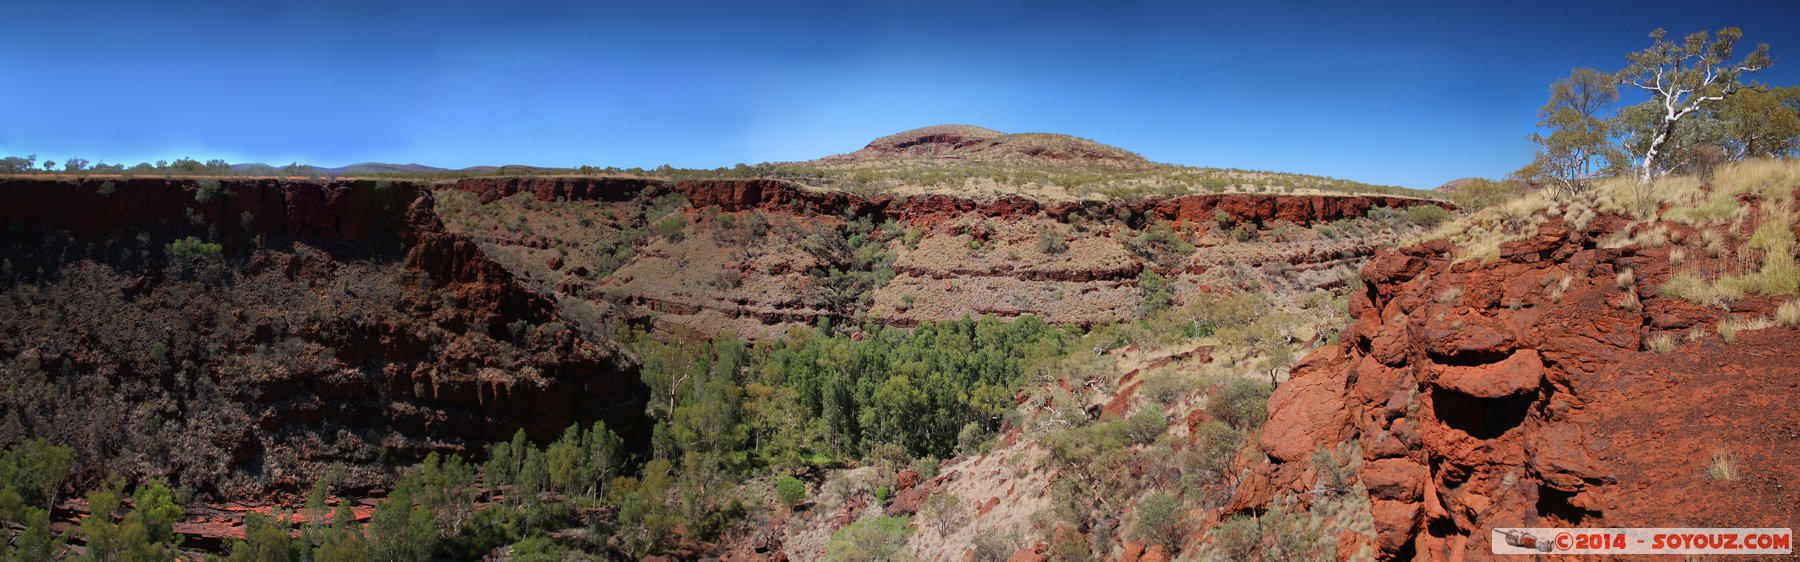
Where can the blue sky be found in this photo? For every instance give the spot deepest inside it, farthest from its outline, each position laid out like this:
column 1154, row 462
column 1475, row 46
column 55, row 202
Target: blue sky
column 1411, row 94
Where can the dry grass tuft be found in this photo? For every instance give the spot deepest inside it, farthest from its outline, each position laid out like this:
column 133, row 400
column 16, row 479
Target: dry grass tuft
column 1625, row 279
column 1789, row 314
column 1692, row 288
column 1629, row 301
column 1724, row 468
column 1729, row 328
column 1660, row 343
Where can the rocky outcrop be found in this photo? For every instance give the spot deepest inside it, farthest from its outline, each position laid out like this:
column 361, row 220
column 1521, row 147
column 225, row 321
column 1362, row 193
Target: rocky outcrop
column 1520, row 392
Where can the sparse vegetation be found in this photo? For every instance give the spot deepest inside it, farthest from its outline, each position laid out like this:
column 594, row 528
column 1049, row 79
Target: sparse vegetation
column 1660, row 343
column 1730, row 327
column 1788, row 315
column 875, row 539
column 1723, row 467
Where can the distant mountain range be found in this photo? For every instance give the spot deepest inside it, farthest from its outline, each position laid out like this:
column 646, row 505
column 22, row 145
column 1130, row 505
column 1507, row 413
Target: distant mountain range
column 355, row 169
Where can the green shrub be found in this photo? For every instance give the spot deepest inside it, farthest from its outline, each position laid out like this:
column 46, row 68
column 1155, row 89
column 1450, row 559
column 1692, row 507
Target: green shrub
column 1426, row 215
column 1281, row 534
column 1161, row 521
column 1157, row 292
column 790, row 491
column 1167, row 386
column 870, row 540
column 671, row 228
column 144, row 532
column 1240, row 402
column 191, row 248
column 1144, row 426
column 209, row 190
column 32, row 472
column 944, row 511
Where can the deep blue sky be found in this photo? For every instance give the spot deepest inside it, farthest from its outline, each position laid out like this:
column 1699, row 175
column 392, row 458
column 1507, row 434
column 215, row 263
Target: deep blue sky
column 1411, row 94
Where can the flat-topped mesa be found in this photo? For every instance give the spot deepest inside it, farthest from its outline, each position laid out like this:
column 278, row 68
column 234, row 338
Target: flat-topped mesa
column 775, row 195
column 968, row 142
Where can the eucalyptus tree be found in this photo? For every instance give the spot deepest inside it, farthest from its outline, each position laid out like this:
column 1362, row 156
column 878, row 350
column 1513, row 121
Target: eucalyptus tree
column 1577, row 147
column 1686, row 77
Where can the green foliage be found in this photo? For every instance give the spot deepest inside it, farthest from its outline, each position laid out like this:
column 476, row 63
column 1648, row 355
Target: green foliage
column 401, row 529
column 914, row 388
column 1206, row 466
column 266, row 540
column 1240, row 402
column 790, row 490
column 972, row 438
column 209, row 189
column 1480, row 193
column 1761, row 122
column 645, row 518
column 35, row 542
column 583, row 461
column 1682, row 77
column 1156, row 291
column 31, row 473
column 852, row 262
column 944, row 511
column 190, row 248
column 142, row 534
column 1166, row 387
column 1426, row 215
column 1145, row 425
column 671, row 228
column 1577, row 147
column 1283, row 533
column 870, row 540
column 1161, row 520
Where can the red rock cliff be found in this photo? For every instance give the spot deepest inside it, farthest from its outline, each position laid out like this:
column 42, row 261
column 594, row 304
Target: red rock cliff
column 1519, row 392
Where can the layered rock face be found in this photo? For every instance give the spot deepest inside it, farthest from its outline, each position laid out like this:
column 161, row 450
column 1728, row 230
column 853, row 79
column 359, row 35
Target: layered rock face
column 333, row 323
column 1522, row 392
column 930, row 257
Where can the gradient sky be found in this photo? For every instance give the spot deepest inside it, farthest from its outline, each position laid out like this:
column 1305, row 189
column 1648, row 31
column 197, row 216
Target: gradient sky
column 1411, row 94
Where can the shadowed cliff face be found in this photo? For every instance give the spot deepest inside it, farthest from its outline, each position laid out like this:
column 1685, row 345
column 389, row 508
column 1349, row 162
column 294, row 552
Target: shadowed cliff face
column 332, row 323
column 1526, row 392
